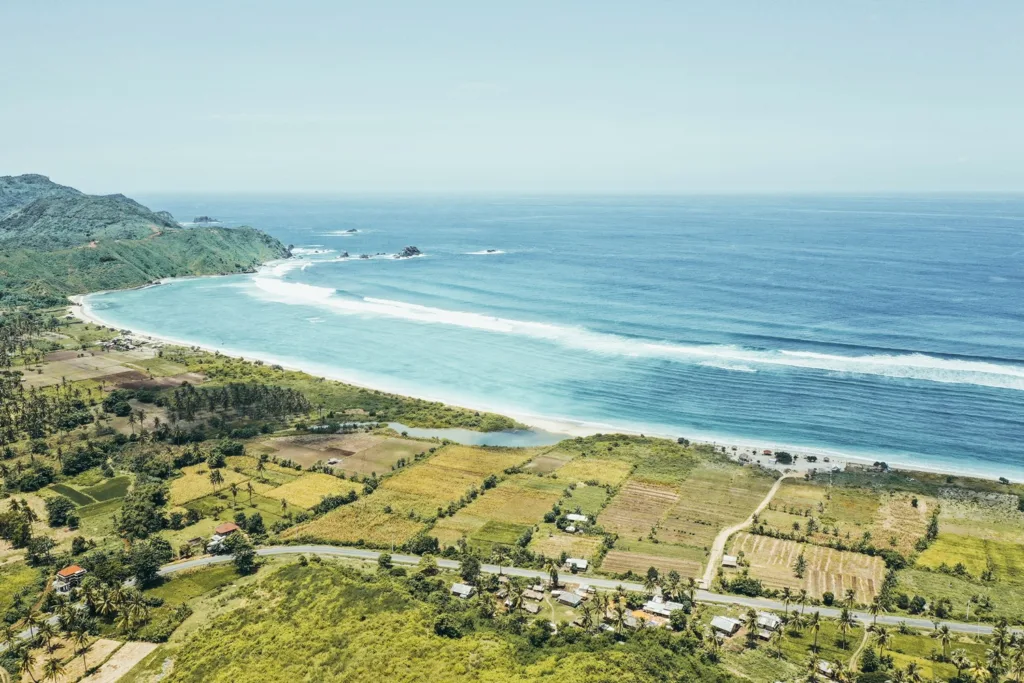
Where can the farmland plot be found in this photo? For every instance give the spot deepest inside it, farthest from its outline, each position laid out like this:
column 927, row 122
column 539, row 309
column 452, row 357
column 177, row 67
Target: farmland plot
column 307, row 490
column 621, row 561
column 603, row 471
column 637, row 508
column 772, row 560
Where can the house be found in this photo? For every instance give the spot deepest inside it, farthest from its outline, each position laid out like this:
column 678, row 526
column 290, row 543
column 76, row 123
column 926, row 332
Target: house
column 725, row 625
column 768, row 621
column 333, row 461
column 663, row 608
column 570, row 529
column 219, row 534
column 532, row 609
column 462, row 590
column 576, row 564
column 533, row 595
column 730, row 561
column 573, row 517
column 825, row 668
column 68, row 578
column 570, row 599
column 764, row 635
column 585, row 590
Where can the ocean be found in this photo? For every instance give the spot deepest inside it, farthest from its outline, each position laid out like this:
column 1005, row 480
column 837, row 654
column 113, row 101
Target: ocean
column 888, row 328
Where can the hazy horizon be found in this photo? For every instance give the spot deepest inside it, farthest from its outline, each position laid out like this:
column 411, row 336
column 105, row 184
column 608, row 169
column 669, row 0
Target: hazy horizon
column 578, row 99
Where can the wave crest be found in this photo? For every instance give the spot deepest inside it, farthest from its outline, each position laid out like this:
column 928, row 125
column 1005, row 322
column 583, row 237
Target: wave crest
column 915, row 366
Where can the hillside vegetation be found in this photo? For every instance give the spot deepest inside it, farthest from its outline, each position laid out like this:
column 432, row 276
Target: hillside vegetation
column 56, row 241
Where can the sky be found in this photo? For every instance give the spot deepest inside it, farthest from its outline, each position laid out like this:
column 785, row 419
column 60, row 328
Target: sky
column 646, row 96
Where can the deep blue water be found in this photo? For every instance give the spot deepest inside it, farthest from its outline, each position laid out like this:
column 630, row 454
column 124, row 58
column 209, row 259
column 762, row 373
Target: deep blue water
column 882, row 326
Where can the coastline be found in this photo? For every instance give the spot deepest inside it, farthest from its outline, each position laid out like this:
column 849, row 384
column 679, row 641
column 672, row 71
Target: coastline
column 750, row 448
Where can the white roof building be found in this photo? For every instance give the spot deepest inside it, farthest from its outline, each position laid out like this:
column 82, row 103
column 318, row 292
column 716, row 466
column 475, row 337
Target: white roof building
column 730, row 561
column 663, row 608
column 768, row 621
column 725, row 625
column 573, row 517
column 462, row 590
column 577, row 563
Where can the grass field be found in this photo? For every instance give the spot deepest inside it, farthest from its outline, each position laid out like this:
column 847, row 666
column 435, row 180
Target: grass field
column 72, row 494
column 586, row 500
column 221, row 506
column 364, row 520
column 111, row 489
column 602, row 471
column 359, row 453
column 195, row 483
column 17, row 578
column 550, row 542
column 1005, row 601
column 549, row 462
column 501, row 514
column 772, row 560
column 307, row 490
column 976, row 553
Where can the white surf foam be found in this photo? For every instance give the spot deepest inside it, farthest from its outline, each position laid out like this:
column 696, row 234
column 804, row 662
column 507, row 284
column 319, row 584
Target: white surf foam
column 916, row 366
column 310, row 251
column 495, row 252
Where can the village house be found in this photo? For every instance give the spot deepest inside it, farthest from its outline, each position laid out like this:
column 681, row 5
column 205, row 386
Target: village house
column 68, row 578
column 219, row 534
column 768, row 621
column 730, row 561
column 570, row 599
column 663, row 608
column 576, row 564
column 725, row 625
column 573, row 517
column 533, row 594
column 463, row 590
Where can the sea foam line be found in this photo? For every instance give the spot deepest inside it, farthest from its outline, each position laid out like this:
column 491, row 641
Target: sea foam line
column 915, row 366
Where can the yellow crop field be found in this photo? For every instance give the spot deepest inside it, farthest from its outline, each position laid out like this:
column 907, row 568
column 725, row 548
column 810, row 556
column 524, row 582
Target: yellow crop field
column 552, row 543
column 196, row 483
column 521, row 499
column 619, row 562
column 602, row 470
column 362, row 520
column 307, row 490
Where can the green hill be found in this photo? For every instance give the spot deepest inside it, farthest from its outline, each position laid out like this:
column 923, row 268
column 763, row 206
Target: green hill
column 56, row 241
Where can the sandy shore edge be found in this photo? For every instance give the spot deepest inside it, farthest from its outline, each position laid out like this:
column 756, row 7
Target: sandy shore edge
column 751, row 449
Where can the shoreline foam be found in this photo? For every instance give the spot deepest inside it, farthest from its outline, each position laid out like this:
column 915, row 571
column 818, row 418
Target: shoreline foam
column 558, row 425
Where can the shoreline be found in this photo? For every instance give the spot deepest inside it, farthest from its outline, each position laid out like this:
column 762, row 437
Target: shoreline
column 752, row 450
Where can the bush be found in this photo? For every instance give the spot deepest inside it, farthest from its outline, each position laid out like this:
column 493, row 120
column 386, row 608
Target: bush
column 58, row 510
column 828, row 598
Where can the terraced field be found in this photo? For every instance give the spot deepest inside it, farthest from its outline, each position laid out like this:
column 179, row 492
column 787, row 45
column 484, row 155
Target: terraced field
column 772, row 560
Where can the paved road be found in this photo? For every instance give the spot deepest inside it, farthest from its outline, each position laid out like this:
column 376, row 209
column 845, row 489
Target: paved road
column 718, row 547
column 605, row 584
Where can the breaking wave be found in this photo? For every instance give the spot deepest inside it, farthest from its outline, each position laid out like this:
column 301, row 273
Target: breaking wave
column 915, row 366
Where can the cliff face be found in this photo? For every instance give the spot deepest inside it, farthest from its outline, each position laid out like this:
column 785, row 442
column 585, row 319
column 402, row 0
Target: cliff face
column 56, row 241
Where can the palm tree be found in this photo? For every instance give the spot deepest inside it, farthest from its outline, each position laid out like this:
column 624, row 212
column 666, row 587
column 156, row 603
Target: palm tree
column 216, row 478
column 587, row 616
column 840, row 674
column 874, row 609
column 553, row 573
column 945, row 637
column 960, row 661
column 883, row 639
column 1017, row 658
column 750, row 623
column 619, row 616
column 651, row 580
column 27, row 660
column 1001, row 636
column 80, row 639
column 846, row 621
column 814, row 623
column 802, row 599
column 913, row 673
column 776, row 642
column 691, row 590
column 711, row 645
column 8, row 636
column 47, row 632
column 515, row 594
column 248, row 487
column 851, row 597
column 261, row 467
column 53, row 670
column 787, row 595
column 131, row 421
column 979, row 673
column 233, row 488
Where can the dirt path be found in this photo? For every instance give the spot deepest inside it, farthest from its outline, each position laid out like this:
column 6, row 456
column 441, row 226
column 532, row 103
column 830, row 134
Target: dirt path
column 852, row 664
column 718, row 547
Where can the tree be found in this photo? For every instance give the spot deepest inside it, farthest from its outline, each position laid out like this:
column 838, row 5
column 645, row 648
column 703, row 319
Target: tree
column 875, row 608
column 587, row 617
column 470, row 569
column 883, row 639
column 249, row 488
column 216, row 478
column 846, row 621
column 80, row 639
column 58, row 509
column 619, row 616
column 27, row 660
column 498, row 555
column 945, row 637
column 814, row 623
column 47, row 632
column 233, row 488
column 800, row 566
column 242, row 552
column 553, row 573
column 851, row 597
column 53, row 670
column 960, row 661
column 651, row 580
column 802, row 599
column 750, row 623
column 787, row 596
column 384, row 561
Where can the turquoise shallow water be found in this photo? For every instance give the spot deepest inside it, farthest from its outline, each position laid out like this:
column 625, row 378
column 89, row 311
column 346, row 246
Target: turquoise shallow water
column 882, row 327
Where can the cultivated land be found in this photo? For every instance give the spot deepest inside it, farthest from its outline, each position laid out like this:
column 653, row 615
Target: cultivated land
column 773, row 560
